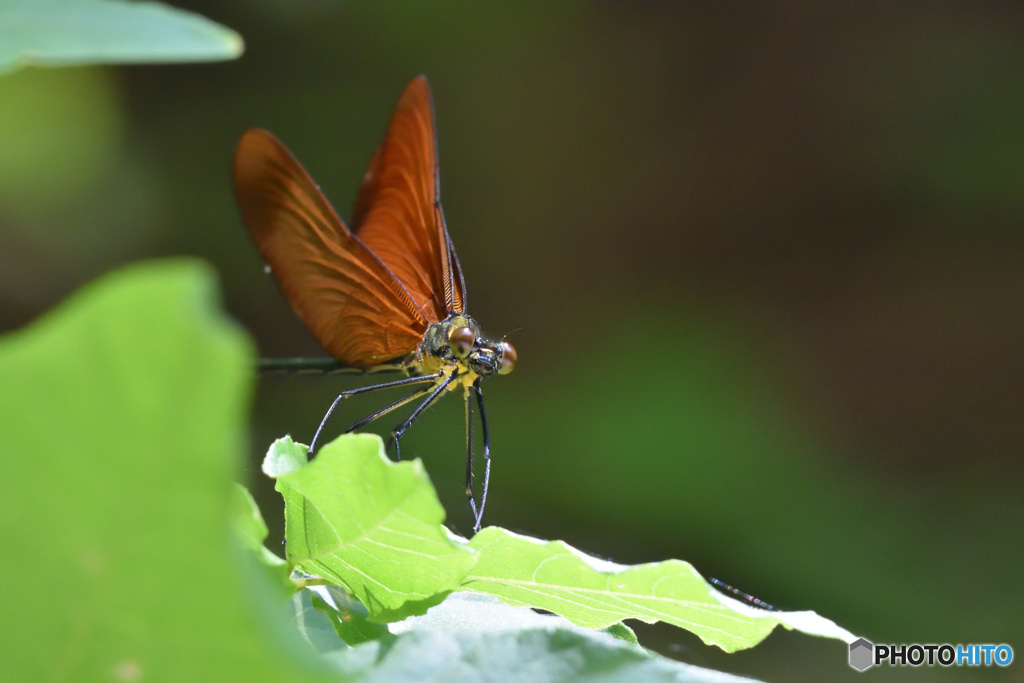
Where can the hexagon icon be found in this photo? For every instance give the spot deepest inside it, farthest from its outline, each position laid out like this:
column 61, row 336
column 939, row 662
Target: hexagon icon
column 862, row 654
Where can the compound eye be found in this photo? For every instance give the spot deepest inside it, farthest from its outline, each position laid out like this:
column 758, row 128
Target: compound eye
column 508, row 358
column 461, row 341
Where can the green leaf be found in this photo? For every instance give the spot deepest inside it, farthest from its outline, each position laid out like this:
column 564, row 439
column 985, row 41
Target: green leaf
column 475, row 637
column 346, row 614
column 598, row 594
column 246, row 520
column 314, row 625
column 251, row 531
column 76, row 32
column 371, row 525
column 122, row 419
column 284, row 456
column 623, row 632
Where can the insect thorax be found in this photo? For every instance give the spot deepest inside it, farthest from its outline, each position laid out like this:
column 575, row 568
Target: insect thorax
column 435, row 339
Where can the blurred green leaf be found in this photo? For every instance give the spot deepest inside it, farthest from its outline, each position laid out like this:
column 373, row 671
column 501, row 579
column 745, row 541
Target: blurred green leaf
column 61, row 137
column 246, row 520
column 76, row 32
column 371, row 525
column 122, row 419
column 251, row 532
column 597, row 594
column 476, row 637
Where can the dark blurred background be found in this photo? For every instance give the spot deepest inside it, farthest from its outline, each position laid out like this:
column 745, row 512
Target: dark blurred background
column 765, row 264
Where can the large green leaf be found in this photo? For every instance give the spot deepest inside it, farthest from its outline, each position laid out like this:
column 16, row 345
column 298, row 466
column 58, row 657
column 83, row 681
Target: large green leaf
column 598, row 594
column 371, row 525
column 358, row 520
column 122, row 417
column 477, row 638
column 70, row 32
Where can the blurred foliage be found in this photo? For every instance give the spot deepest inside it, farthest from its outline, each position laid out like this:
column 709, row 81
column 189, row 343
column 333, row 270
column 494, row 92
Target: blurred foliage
column 476, row 637
column 76, row 32
column 766, row 262
column 46, row 114
column 115, row 472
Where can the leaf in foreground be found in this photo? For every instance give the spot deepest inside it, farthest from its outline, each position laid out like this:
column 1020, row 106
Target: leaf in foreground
column 75, row 32
column 251, row 531
column 122, row 420
column 477, row 638
column 370, row 525
column 597, row 594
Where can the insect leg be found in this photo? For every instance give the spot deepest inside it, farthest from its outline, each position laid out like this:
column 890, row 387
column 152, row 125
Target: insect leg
column 362, row 390
column 747, row 597
column 469, row 451
column 487, row 455
column 388, row 408
column 399, row 431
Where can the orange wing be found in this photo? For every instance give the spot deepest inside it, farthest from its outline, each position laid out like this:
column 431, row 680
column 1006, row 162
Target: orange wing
column 347, row 297
column 398, row 211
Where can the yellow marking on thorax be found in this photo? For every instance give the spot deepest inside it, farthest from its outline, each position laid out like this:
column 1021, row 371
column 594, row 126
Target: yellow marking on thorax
column 431, row 364
column 468, row 378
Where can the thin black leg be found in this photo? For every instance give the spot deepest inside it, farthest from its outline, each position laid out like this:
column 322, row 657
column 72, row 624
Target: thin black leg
column 469, row 452
column 388, row 408
column 399, row 431
column 362, row 390
column 756, row 602
column 487, row 454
